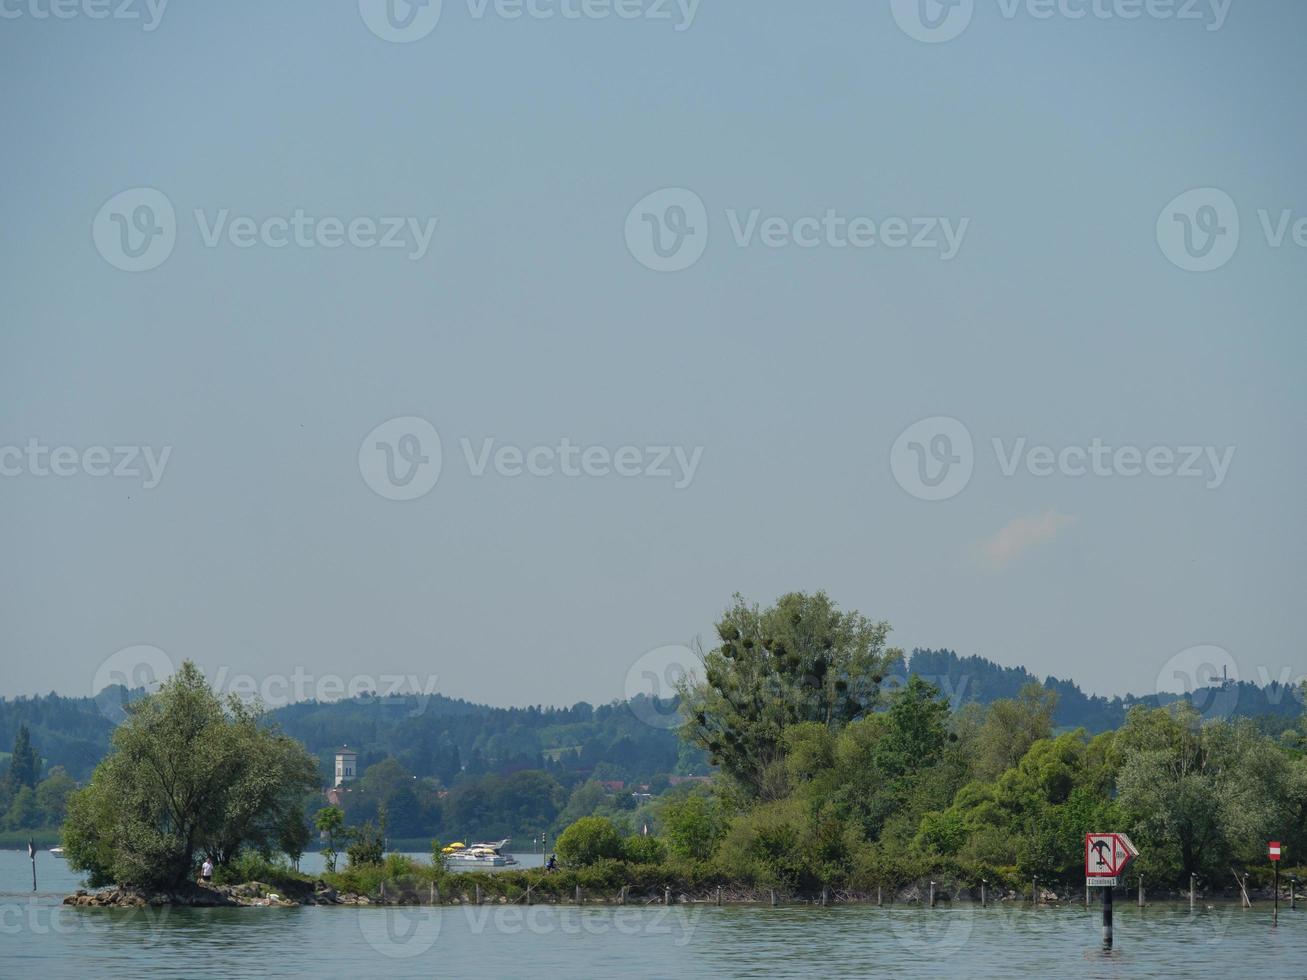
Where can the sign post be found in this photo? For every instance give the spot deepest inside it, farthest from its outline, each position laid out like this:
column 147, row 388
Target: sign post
column 1106, row 857
column 1275, row 862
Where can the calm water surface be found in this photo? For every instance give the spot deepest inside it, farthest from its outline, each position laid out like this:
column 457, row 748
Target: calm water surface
column 41, row 938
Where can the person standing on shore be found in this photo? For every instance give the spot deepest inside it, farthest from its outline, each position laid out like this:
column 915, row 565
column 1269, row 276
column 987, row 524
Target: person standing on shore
column 206, row 871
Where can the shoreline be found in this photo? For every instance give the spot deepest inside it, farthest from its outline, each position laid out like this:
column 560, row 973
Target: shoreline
column 318, row 893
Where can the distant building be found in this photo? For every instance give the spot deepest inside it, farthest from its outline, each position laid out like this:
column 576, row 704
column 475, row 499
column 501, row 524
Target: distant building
column 346, row 765
column 612, row 785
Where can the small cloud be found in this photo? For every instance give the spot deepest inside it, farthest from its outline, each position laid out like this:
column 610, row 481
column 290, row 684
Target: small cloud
column 1020, row 535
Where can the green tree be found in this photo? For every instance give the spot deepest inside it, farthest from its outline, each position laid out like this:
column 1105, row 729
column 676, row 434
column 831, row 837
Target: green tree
column 367, row 845
column 330, row 823
column 52, row 796
column 1011, row 726
column 187, row 774
column 694, row 827
column 801, row 660
column 24, row 763
column 588, row 840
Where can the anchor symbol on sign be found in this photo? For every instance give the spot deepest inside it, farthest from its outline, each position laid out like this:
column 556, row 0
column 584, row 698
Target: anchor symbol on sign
column 1102, row 847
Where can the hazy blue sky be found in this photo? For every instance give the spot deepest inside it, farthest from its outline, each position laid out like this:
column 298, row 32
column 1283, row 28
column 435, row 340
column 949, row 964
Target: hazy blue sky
column 1052, row 147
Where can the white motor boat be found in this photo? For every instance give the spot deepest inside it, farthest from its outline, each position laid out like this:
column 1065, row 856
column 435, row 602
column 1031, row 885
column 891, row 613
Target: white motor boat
column 469, row 857
column 57, row 851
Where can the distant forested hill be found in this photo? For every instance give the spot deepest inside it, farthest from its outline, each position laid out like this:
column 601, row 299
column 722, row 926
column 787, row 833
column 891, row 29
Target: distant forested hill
column 443, row 737
column 964, row 679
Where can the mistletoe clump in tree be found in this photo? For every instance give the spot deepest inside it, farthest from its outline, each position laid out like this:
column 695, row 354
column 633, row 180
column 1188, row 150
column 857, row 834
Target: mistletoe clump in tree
column 801, row 660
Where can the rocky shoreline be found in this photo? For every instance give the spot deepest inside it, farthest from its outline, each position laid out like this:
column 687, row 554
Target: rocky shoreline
column 255, row 894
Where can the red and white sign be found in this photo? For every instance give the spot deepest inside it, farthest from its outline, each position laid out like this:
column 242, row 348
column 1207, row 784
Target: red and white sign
column 1275, row 850
column 1106, row 855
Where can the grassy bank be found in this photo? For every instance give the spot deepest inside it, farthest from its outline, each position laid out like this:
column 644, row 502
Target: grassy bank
column 402, row 879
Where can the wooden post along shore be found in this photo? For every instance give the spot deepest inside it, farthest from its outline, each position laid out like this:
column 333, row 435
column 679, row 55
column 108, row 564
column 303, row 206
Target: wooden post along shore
column 983, row 883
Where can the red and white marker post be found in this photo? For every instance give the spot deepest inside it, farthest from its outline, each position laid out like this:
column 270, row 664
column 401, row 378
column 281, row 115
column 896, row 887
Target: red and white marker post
column 1106, row 856
column 1274, row 849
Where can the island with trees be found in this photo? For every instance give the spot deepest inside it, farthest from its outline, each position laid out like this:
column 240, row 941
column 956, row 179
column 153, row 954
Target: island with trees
column 826, row 782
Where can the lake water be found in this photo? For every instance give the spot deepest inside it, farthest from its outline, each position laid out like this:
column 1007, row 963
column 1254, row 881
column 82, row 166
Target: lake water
column 41, row 938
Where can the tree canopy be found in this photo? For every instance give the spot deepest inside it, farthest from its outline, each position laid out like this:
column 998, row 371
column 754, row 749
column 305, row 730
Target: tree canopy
column 188, row 775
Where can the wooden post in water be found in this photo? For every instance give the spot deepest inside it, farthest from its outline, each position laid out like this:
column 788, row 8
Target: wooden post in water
column 1243, row 886
column 667, row 896
column 773, row 898
column 478, row 895
column 528, row 892
column 383, row 891
column 578, row 894
column 719, row 894
column 1141, row 891
column 437, row 888
column 825, row 895
column 932, row 894
column 878, row 899
column 1192, row 876
column 431, row 894
column 622, row 899
column 1107, row 919
column 983, row 883
column 1034, row 890
column 1293, row 893
column 1086, row 893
